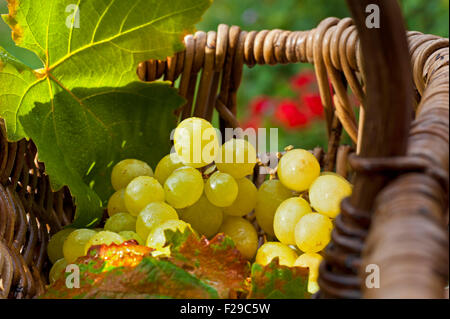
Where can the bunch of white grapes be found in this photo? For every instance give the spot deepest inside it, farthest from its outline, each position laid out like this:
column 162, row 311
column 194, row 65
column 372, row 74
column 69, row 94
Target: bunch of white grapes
column 176, row 195
column 299, row 225
column 180, row 193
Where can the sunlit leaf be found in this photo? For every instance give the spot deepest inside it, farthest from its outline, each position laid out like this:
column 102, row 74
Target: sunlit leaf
column 85, row 110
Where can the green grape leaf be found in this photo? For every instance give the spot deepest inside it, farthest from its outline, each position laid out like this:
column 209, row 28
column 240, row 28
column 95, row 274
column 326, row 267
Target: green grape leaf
column 275, row 281
column 92, row 138
column 196, row 268
column 86, row 110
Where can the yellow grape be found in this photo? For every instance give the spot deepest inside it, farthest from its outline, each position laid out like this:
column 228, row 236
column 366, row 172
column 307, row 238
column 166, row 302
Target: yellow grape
column 116, row 203
column 128, row 169
column 166, row 166
column 313, row 232
column 142, row 191
column 331, row 173
column 327, row 192
column 129, row 235
column 153, row 215
column 57, row 270
column 183, row 187
column 203, row 216
column 237, row 157
column 297, row 169
column 195, row 142
column 270, row 195
column 269, row 250
column 287, row 216
column 120, row 222
column 221, row 189
column 55, row 244
column 157, row 238
column 311, row 261
column 103, row 238
column 74, row 244
column 242, row 233
column 245, row 201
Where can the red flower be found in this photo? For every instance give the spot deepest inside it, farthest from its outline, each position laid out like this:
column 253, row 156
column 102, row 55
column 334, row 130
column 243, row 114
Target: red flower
column 300, row 80
column 260, row 105
column 290, row 115
column 314, row 103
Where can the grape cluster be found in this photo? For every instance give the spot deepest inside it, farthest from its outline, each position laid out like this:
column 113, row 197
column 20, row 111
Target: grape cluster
column 210, row 193
column 176, row 196
column 299, row 225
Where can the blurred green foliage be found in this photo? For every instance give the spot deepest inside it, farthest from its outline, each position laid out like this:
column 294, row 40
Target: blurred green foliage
column 427, row 16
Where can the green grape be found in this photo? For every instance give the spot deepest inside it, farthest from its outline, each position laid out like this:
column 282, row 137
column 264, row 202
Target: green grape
column 142, row 191
column 270, row 250
column 245, row 201
column 242, row 233
column 183, row 187
column 311, row 261
column 221, row 189
column 103, row 238
column 116, row 203
column 313, row 232
column 152, row 216
column 270, row 194
column 297, row 169
column 157, row 238
column 129, row 235
column 74, row 244
column 120, row 222
column 237, row 157
column 195, row 142
column 57, row 270
column 203, row 216
column 287, row 216
column 128, row 169
column 327, row 192
column 55, row 244
column 166, row 166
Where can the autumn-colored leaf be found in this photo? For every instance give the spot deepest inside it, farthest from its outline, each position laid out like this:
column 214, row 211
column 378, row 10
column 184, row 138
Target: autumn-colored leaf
column 127, row 254
column 129, row 271
column 215, row 261
column 275, row 281
column 152, row 278
column 196, row 268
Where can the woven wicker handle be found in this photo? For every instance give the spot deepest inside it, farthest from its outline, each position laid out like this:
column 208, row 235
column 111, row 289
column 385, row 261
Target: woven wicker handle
column 408, row 239
column 384, row 129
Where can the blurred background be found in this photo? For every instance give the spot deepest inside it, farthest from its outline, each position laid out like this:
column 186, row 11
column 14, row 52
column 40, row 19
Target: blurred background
column 284, row 96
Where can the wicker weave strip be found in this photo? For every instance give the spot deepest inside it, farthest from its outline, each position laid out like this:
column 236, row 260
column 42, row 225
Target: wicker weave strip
column 29, row 211
column 409, row 238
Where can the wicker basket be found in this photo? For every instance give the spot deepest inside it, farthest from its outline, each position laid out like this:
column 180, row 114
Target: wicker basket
column 397, row 216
